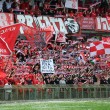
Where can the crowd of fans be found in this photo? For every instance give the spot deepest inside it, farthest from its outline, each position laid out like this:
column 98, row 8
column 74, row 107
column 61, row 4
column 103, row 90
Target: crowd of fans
column 23, row 67
column 55, row 8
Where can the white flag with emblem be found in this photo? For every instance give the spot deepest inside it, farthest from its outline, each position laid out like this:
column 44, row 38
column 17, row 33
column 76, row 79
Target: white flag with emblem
column 71, row 4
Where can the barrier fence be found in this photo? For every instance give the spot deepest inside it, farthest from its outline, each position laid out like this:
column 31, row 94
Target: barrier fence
column 35, row 92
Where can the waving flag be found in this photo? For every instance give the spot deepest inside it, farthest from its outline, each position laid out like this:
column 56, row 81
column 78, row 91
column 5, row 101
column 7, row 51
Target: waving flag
column 8, row 37
column 71, row 4
column 48, row 33
column 99, row 48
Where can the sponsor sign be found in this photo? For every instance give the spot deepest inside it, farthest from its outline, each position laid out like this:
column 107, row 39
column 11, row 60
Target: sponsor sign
column 47, row 66
column 6, row 19
column 59, row 25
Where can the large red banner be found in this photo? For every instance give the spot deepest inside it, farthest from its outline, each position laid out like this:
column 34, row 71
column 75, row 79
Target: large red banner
column 67, row 26
column 6, row 19
column 8, row 37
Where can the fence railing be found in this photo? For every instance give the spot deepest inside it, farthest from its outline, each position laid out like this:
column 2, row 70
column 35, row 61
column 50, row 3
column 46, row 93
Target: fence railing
column 34, row 92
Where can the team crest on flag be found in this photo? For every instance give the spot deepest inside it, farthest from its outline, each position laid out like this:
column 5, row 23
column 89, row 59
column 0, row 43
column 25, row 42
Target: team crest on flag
column 71, row 4
column 72, row 25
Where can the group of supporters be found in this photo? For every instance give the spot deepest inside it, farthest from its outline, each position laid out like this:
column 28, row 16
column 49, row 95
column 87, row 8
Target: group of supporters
column 72, row 61
column 56, row 8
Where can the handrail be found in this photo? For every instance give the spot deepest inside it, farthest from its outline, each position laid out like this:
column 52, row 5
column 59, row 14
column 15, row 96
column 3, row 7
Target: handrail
column 35, row 92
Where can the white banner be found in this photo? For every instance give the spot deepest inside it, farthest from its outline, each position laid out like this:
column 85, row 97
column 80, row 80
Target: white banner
column 47, row 66
column 71, row 4
column 67, row 26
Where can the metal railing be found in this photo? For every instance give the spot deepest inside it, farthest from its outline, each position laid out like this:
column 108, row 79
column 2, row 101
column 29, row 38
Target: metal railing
column 35, row 92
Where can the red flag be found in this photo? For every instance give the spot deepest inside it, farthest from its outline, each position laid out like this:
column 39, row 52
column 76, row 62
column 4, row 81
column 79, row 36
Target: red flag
column 8, row 37
column 27, row 30
column 99, row 48
column 48, row 33
column 60, row 37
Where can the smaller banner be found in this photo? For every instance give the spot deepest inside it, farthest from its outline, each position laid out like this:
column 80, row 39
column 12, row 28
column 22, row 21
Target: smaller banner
column 47, row 66
column 71, row 4
column 88, row 23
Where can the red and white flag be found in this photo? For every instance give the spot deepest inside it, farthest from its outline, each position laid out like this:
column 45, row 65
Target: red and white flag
column 60, row 37
column 71, row 4
column 99, row 48
column 8, row 36
column 106, row 39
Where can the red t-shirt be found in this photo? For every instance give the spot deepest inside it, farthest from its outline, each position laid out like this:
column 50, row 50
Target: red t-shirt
column 93, row 14
column 24, row 5
column 71, row 14
column 35, row 81
column 80, row 14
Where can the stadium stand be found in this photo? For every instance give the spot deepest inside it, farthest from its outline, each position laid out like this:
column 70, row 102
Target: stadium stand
column 72, row 61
